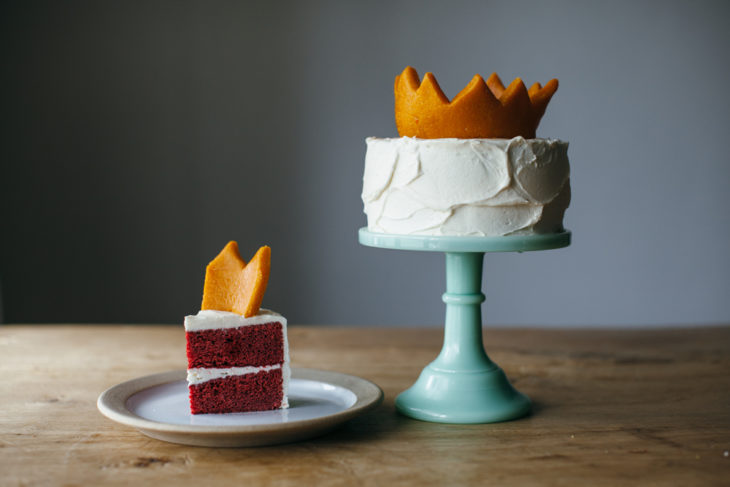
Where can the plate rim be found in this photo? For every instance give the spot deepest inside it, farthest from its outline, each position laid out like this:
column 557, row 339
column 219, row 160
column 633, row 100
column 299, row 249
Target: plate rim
column 112, row 403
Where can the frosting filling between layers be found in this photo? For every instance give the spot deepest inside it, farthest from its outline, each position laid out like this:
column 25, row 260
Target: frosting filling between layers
column 479, row 187
column 196, row 376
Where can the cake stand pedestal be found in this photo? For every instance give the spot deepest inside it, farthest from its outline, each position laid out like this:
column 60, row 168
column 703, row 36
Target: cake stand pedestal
column 463, row 385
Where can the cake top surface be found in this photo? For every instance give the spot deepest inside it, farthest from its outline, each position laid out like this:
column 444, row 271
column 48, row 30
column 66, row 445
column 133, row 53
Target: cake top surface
column 234, row 286
column 483, row 109
column 213, row 320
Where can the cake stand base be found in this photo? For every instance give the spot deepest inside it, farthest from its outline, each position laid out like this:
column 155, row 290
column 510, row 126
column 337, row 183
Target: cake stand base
column 463, row 385
column 447, row 396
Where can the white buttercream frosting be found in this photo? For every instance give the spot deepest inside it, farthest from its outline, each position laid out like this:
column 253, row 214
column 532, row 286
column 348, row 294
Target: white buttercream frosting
column 479, row 187
column 210, row 319
column 214, row 320
column 196, row 376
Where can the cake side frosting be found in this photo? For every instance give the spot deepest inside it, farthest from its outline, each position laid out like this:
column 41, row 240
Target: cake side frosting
column 465, row 187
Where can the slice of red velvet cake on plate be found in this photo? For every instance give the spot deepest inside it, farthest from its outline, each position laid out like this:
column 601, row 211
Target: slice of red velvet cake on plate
column 238, row 353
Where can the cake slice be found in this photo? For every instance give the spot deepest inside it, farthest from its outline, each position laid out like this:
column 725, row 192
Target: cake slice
column 238, row 353
column 237, row 364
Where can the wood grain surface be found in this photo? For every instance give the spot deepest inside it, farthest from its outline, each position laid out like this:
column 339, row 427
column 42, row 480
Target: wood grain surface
column 648, row 407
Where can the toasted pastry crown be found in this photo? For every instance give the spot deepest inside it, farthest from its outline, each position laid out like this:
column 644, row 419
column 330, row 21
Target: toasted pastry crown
column 232, row 285
column 483, row 109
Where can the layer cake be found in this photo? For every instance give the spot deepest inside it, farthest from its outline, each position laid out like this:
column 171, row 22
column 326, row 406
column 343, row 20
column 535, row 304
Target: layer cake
column 237, row 364
column 470, row 166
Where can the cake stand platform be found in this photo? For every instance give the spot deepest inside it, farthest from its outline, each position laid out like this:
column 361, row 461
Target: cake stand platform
column 463, row 385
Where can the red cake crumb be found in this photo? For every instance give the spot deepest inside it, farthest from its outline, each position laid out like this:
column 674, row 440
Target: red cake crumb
column 241, row 393
column 236, row 347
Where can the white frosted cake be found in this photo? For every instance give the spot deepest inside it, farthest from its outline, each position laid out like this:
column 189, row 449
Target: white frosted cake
column 469, row 166
column 465, row 187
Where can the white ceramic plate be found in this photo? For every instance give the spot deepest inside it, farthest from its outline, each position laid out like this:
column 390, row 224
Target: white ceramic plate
column 158, row 406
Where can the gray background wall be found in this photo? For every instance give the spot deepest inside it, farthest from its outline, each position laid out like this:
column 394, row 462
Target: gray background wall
column 139, row 137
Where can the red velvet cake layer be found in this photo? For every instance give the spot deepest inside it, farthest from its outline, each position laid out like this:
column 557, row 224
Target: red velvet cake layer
column 261, row 391
column 255, row 345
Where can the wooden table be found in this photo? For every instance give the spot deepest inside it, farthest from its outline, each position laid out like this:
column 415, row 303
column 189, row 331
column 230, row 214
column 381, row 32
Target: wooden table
column 611, row 408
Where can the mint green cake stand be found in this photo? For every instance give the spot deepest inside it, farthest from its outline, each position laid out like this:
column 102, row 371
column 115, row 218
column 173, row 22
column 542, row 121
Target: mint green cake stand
column 463, row 385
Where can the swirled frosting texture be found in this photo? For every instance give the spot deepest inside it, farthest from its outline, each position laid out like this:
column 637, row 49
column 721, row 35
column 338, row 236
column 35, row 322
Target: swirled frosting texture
column 477, row 187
